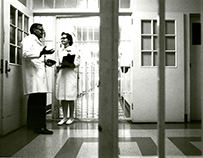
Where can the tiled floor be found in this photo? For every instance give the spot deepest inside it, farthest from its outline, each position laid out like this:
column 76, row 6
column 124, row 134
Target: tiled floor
column 80, row 140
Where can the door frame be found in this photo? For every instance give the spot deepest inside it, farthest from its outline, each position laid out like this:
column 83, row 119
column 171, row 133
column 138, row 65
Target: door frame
column 194, row 18
column 187, row 37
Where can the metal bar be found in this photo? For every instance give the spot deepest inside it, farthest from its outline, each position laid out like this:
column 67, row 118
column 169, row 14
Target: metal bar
column 2, row 62
column 54, row 4
column 202, row 74
column 83, row 87
column 161, row 78
column 92, row 88
column 43, row 4
column 108, row 76
column 86, row 88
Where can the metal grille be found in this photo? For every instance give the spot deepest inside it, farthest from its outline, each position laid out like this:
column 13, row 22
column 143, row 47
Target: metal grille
column 86, row 41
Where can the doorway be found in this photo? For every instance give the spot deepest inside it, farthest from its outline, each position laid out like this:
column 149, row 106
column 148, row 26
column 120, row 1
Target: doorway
column 85, row 32
column 195, row 67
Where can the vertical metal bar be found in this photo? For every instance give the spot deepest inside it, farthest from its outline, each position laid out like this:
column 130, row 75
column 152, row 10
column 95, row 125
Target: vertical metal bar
column 108, row 76
column 78, row 89
column 54, row 3
column 83, row 87
column 81, row 110
column 43, row 4
column 202, row 73
column 29, row 4
column 93, row 88
column 161, row 78
column 2, row 63
column 86, row 88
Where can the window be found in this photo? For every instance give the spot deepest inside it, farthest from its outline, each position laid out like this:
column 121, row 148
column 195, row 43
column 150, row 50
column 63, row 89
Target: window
column 24, row 2
column 149, row 43
column 81, row 4
column 18, row 30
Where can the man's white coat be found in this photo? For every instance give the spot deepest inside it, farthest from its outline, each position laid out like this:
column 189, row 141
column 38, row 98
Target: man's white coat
column 33, row 66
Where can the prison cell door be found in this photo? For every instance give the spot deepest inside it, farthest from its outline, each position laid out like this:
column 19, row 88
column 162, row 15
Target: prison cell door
column 16, row 23
column 145, row 62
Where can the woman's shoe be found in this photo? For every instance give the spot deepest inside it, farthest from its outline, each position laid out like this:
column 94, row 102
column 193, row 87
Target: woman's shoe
column 69, row 121
column 63, row 121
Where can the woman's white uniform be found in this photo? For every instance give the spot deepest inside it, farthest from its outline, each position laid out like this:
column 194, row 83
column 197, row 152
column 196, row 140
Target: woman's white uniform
column 66, row 82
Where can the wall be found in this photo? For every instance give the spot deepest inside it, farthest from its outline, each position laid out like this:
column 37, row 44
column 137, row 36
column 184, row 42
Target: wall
column 183, row 6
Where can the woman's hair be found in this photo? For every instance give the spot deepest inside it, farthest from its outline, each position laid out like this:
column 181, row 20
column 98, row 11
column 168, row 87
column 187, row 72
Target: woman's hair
column 34, row 26
column 69, row 37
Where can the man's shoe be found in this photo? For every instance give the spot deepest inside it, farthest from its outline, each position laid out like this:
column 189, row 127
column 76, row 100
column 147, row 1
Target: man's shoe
column 43, row 131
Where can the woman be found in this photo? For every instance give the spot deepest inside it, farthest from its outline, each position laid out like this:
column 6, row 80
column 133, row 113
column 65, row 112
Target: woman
column 66, row 82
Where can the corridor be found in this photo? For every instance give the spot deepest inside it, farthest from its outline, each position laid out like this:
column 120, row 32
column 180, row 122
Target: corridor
column 122, row 45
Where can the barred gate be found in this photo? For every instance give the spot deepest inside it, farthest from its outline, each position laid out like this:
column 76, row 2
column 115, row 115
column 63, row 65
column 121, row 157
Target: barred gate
column 85, row 31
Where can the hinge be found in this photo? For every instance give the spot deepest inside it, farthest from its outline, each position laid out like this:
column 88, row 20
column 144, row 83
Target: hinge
column 132, row 21
column 190, row 65
column 132, row 63
column 132, row 106
column 2, row 66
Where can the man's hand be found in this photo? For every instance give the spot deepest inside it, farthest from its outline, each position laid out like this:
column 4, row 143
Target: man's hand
column 44, row 51
column 50, row 62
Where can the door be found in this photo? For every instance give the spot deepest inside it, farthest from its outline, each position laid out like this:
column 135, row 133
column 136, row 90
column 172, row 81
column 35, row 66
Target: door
column 145, row 72
column 195, row 67
column 16, row 27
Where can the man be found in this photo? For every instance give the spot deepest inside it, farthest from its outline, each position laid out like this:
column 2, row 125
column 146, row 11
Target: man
column 34, row 78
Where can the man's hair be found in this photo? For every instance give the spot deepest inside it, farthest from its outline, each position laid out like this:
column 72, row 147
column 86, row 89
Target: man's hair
column 69, row 37
column 34, row 26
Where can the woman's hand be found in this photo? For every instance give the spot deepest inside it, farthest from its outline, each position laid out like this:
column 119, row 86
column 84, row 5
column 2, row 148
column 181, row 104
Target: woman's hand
column 67, row 64
column 58, row 68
